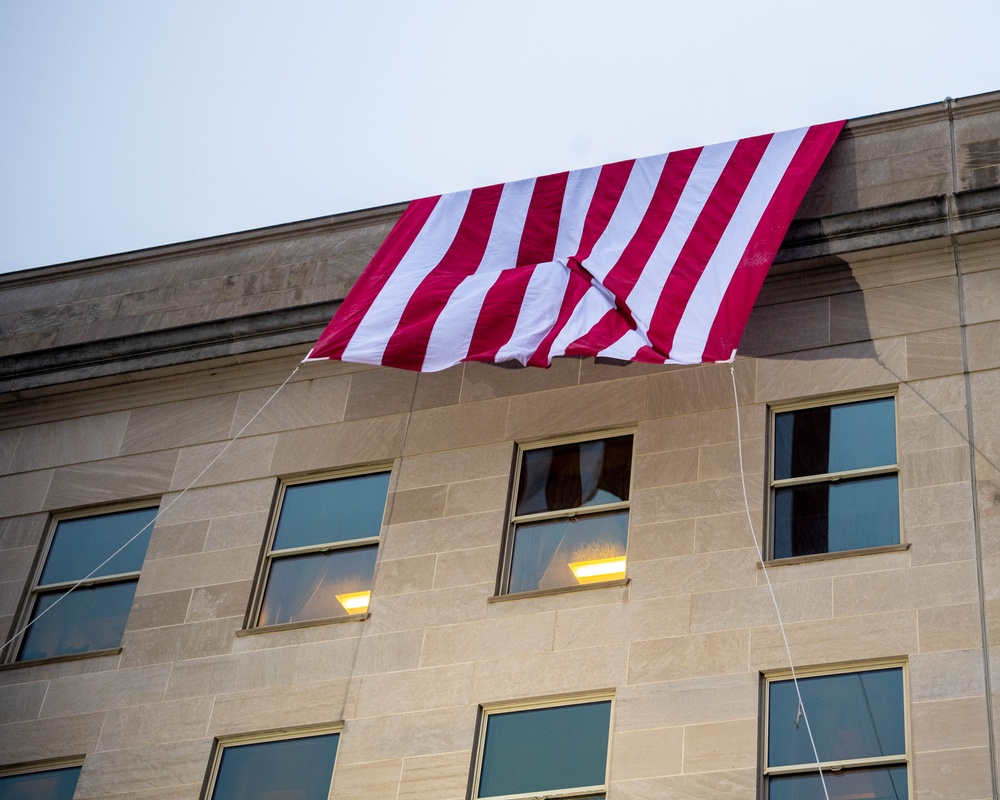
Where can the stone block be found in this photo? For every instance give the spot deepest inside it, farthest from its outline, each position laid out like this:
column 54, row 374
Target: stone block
column 596, row 595
column 490, row 381
column 563, row 672
column 199, row 569
column 935, row 467
column 918, row 587
column 787, row 327
column 236, row 460
column 437, row 606
column 455, row 427
column 24, row 493
column 380, row 392
column 22, row 531
column 946, row 675
column 734, row 784
column 415, row 690
column 443, row 776
column 934, row 353
column 371, row 780
column 154, row 724
column 404, row 575
column 666, row 503
column 646, row 753
column 103, row 691
column 438, row 388
column 704, row 572
column 981, row 342
column 236, row 530
column 619, row 624
column 347, row 444
column 37, row 740
column 177, row 540
column 689, row 701
column 111, row 480
column 21, row 701
column 69, row 441
column 154, row 767
column 961, row 773
column 300, row 404
column 278, row 706
column 726, row 532
column 220, row 601
column 467, row 464
column 661, row 540
column 705, row 387
column 492, row 640
column 836, row 640
column 418, row 504
column 936, row 544
column 475, row 496
column 178, row 642
column 429, row 537
column 948, row 724
column 698, row 655
column 219, row 501
column 982, row 296
column 751, row 607
column 937, row 505
column 665, row 468
column 595, row 406
column 169, row 425
column 158, row 610
column 422, row 733
column 720, row 746
column 464, row 567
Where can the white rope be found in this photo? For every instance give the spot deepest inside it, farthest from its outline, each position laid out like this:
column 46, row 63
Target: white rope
column 760, row 557
column 159, row 514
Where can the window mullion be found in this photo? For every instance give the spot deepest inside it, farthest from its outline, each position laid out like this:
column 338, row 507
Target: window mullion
column 838, row 765
column 835, row 477
column 323, row 547
column 117, row 578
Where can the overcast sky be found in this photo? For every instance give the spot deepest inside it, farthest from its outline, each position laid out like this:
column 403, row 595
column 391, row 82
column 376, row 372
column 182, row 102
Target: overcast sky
column 132, row 123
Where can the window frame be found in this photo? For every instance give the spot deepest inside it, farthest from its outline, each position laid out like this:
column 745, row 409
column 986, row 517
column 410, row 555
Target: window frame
column 834, row 766
column 221, row 743
column 50, row 765
column 514, row 520
column 491, row 709
column 268, row 555
column 830, row 478
column 33, row 590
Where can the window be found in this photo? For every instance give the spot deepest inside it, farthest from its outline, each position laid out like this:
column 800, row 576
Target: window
column 321, row 556
column 50, row 784
column 858, row 720
column 570, row 515
column 92, row 616
column 299, row 768
column 555, row 751
column 835, row 481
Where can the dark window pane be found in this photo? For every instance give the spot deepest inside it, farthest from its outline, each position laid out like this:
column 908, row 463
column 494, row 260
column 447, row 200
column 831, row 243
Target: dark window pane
column 307, row 586
column 853, row 715
column 815, row 441
column 874, row 783
column 79, row 545
column 543, row 551
column 331, row 511
column 290, row 769
column 89, row 618
column 832, row 517
column 574, row 475
column 53, row 784
column 543, row 749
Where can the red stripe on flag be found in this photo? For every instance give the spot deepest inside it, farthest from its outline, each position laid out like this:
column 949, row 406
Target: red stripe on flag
column 335, row 338
column 408, row 343
column 734, row 311
column 502, row 304
column 704, row 238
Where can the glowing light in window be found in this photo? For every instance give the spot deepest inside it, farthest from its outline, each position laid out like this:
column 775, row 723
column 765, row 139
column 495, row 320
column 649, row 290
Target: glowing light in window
column 355, row 602
column 599, row 569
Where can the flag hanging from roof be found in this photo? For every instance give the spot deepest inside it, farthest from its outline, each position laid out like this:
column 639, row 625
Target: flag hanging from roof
column 657, row 259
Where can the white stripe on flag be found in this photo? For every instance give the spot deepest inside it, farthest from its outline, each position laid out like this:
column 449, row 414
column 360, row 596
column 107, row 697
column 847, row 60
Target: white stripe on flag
column 379, row 323
column 453, row 329
column 579, row 193
column 696, row 322
column 538, row 312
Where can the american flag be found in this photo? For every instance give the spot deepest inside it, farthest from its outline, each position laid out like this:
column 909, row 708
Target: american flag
column 656, row 259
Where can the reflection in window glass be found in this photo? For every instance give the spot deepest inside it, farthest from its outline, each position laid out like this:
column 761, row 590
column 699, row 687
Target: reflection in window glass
column 285, row 769
column 545, row 749
column 835, row 485
column 92, row 616
column 322, row 558
column 564, row 533
column 855, row 716
column 51, row 784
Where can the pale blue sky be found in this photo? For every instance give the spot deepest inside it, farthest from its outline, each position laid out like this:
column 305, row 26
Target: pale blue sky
column 131, row 123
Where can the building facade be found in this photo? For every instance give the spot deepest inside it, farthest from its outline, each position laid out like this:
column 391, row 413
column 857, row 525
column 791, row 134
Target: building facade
column 494, row 582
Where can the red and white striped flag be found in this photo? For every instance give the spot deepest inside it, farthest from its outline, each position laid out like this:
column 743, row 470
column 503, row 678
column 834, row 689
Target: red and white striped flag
column 658, row 259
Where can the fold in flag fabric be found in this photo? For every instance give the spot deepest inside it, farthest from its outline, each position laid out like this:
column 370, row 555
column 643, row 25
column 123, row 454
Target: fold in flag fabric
column 656, row 259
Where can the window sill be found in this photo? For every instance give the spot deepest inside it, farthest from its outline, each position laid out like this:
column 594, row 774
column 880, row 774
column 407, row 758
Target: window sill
column 111, row 651
column 583, row 587
column 866, row 551
column 306, row 623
